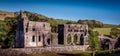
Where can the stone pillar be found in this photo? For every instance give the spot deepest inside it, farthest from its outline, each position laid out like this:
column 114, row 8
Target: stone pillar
column 78, row 39
column 72, row 39
column 43, row 40
column 65, row 39
column 36, row 37
column 84, row 40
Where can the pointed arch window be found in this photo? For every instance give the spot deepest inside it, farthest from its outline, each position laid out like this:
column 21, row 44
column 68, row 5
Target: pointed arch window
column 33, row 38
column 39, row 38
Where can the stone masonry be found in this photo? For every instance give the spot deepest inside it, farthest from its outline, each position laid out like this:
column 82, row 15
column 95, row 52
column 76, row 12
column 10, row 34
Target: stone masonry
column 72, row 34
column 38, row 34
column 33, row 34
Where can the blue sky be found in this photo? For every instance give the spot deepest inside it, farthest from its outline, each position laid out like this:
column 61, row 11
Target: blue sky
column 106, row 11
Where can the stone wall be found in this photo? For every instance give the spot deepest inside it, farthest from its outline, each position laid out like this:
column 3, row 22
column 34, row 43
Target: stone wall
column 53, row 49
column 108, row 43
column 68, row 32
column 33, row 33
column 22, row 51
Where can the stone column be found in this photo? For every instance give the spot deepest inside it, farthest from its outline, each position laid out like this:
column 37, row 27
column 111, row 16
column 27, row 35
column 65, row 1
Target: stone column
column 65, row 39
column 78, row 38
column 72, row 39
column 43, row 40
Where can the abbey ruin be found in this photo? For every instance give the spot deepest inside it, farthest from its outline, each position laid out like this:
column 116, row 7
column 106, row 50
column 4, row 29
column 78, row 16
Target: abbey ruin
column 38, row 34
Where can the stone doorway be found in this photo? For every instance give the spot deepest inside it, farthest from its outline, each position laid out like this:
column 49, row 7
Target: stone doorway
column 81, row 39
column 48, row 41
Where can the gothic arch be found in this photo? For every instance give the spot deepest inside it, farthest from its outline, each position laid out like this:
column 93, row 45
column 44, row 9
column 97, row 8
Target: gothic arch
column 48, row 41
column 81, row 39
column 75, row 39
column 106, row 44
column 69, row 39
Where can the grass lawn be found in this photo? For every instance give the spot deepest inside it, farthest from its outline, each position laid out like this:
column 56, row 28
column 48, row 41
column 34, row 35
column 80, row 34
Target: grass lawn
column 64, row 53
column 104, row 31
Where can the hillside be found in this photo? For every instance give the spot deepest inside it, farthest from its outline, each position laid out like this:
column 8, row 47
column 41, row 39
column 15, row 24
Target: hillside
column 39, row 17
column 4, row 14
column 61, row 21
column 8, row 25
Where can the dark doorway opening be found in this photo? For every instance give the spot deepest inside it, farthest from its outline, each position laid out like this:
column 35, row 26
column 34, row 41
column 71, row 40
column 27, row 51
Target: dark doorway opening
column 81, row 39
column 48, row 41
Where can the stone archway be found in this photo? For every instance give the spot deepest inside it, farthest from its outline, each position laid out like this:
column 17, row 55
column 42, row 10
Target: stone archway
column 105, row 44
column 48, row 41
column 81, row 39
column 69, row 39
column 75, row 39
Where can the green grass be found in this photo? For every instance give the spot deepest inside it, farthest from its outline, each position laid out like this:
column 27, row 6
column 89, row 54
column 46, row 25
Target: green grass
column 103, row 31
column 64, row 53
column 43, row 54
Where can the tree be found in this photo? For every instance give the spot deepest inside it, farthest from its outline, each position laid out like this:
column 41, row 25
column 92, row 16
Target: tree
column 115, row 33
column 91, row 23
column 8, row 32
column 70, row 22
column 93, row 41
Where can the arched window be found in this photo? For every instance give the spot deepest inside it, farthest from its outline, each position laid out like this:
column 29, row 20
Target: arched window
column 33, row 29
column 69, row 39
column 75, row 38
column 33, row 38
column 48, row 41
column 26, row 29
column 81, row 39
column 39, row 39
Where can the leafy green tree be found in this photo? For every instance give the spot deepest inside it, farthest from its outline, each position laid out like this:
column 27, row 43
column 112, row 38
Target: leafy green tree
column 115, row 33
column 3, row 32
column 70, row 22
column 93, row 41
column 54, row 24
column 8, row 31
column 91, row 23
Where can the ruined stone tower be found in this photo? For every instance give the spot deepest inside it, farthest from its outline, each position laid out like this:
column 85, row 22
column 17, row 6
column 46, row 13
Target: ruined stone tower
column 33, row 33
column 19, row 39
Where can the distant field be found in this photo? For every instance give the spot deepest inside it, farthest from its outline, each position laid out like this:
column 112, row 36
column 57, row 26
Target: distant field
column 104, row 31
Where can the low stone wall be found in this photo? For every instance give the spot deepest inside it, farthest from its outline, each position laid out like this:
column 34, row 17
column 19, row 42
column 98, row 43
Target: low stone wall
column 53, row 49
column 19, row 51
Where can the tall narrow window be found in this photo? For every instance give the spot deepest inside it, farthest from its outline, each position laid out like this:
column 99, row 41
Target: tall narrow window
column 26, row 29
column 33, row 39
column 33, row 29
column 39, row 38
